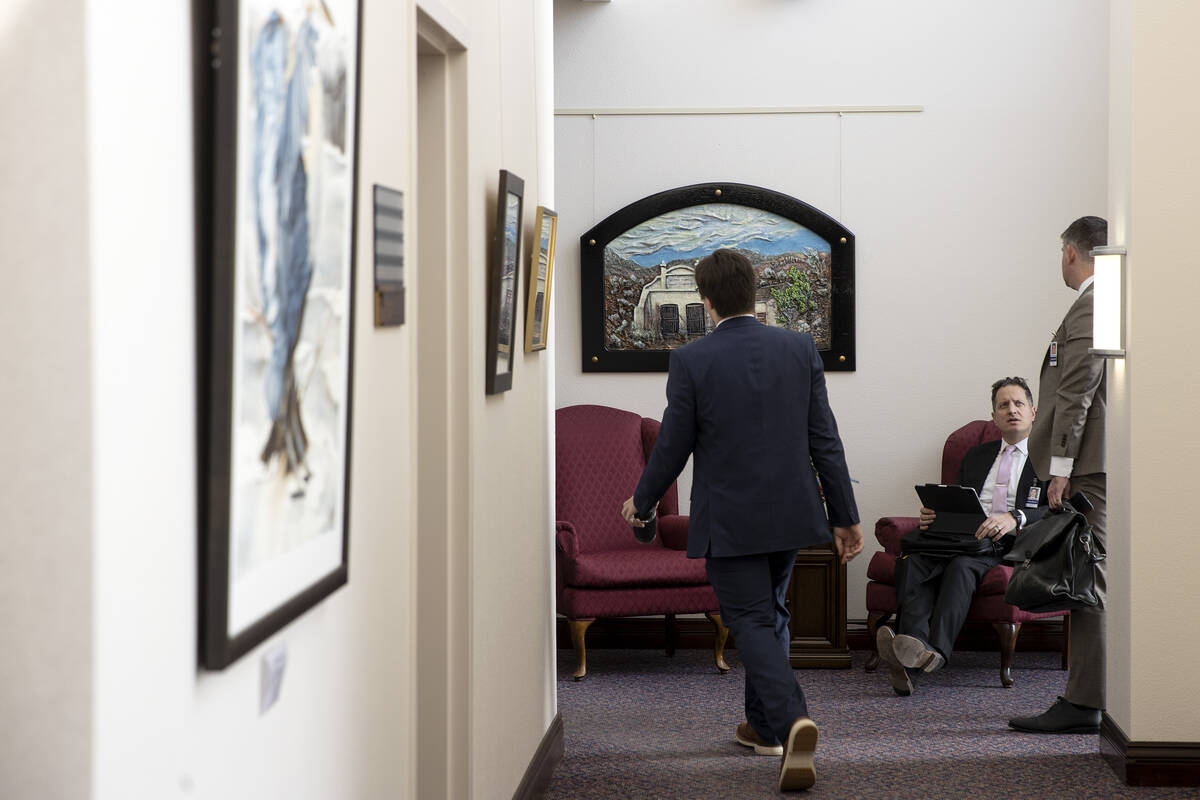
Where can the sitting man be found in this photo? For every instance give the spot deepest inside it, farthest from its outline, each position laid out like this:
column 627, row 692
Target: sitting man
column 934, row 592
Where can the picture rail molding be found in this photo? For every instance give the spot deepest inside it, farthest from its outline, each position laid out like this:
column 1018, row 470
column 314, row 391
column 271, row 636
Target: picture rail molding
column 734, row 110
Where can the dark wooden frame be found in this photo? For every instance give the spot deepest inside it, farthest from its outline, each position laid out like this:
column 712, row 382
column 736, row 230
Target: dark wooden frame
column 497, row 381
column 216, row 103
column 596, row 358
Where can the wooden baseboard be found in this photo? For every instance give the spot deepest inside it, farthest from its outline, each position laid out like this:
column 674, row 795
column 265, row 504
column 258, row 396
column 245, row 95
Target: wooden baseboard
column 1149, row 763
column 649, row 633
column 541, row 766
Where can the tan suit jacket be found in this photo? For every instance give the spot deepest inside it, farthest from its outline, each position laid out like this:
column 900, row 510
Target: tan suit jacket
column 1071, row 398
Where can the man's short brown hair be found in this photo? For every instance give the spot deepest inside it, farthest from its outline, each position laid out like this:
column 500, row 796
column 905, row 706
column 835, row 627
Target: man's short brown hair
column 1085, row 234
column 726, row 278
column 1013, row 381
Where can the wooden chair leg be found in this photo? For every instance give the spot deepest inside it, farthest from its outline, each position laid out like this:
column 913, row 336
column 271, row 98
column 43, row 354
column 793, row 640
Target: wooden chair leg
column 1007, row 631
column 874, row 620
column 1066, row 642
column 578, row 632
column 721, row 635
column 672, row 634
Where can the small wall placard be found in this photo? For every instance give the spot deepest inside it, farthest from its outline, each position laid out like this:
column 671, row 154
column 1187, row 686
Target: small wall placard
column 389, row 257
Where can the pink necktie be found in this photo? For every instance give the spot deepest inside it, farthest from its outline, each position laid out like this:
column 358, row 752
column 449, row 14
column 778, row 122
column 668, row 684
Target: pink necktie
column 1003, row 475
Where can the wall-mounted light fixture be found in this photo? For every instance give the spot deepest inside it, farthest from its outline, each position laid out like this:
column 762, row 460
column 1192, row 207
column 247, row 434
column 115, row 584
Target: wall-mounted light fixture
column 1108, row 314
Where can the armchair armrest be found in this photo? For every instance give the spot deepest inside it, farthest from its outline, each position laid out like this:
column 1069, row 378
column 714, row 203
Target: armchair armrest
column 566, row 538
column 672, row 531
column 888, row 531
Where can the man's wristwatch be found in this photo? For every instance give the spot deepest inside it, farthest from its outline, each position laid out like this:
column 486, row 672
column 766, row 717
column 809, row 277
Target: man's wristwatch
column 1019, row 516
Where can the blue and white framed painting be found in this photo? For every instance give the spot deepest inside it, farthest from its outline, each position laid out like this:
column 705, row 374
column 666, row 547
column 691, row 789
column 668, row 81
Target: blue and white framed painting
column 281, row 103
column 639, row 296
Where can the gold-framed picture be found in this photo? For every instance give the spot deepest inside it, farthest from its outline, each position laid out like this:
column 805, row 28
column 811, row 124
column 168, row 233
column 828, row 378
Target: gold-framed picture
column 541, row 271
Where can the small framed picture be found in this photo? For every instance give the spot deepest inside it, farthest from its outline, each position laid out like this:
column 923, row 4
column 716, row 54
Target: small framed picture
column 502, row 284
column 541, row 270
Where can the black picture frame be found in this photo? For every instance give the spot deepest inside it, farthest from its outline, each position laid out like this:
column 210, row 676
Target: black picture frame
column 839, row 353
column 503, row 283
column 276, row 230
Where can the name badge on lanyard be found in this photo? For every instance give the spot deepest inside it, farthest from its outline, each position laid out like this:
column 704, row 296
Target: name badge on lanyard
column 1054, row 354
column 1035, row 494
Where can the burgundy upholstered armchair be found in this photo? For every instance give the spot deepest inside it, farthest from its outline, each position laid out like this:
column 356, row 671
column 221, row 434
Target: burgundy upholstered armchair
column 602, row 570
column 988, row 604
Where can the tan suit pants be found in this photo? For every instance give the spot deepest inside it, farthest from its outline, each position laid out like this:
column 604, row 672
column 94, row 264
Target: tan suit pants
column 1085, row 682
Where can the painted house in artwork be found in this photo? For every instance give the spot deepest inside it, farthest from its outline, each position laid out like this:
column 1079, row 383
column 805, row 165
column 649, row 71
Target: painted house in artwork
column 670, row 306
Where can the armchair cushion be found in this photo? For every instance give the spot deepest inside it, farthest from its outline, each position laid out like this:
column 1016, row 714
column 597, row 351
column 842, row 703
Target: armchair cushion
column 882, row 568
column 672, row 531
column 636, row 566
column 566, row 538
column 960, row 441
column 889, row 530
column 995, row 581
column 599, row 456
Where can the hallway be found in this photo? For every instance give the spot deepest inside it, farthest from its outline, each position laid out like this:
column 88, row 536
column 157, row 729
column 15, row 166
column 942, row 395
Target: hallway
column 642, row 725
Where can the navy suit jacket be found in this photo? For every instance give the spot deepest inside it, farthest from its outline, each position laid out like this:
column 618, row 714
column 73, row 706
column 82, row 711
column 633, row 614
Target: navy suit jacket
column 749, row 402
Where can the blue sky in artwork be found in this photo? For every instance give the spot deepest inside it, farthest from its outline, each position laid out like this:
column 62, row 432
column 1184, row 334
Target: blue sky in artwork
column 696, row 231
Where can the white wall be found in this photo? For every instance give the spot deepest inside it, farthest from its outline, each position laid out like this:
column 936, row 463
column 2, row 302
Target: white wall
column 344, row 724
column 100, row 589
column 511, row 529
column 956, row 210
column 45, row 405
column 99, row 570
column 1152, row 450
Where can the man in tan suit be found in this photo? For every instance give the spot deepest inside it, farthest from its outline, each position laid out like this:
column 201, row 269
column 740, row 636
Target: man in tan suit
column 1067, row 449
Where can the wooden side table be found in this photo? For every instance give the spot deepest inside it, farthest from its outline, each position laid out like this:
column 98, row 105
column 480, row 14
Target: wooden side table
column 816, row 600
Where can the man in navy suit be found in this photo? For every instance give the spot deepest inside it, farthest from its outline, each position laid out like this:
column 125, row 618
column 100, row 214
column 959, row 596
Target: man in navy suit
column 934, row 592
column 749, row 403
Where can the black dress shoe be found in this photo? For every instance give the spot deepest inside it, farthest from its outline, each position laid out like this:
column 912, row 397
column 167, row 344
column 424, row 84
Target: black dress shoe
column 1062, row 717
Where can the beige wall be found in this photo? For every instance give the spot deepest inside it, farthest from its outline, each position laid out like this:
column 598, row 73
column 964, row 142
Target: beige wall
column 45, row 405
column 1152, row 448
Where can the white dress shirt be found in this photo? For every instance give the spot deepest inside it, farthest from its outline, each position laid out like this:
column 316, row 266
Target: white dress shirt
column 735, row 316
column 1017, row 463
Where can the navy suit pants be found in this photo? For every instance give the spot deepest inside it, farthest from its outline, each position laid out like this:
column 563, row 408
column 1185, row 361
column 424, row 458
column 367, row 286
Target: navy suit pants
column 752, row 591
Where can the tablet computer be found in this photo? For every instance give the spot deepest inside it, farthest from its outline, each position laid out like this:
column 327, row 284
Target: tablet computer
column 958, row 508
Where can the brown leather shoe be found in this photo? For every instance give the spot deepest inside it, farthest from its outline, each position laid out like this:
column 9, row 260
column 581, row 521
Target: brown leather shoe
column 914, row 653
column 796, row 771
column 901, row 682
column 748, row 736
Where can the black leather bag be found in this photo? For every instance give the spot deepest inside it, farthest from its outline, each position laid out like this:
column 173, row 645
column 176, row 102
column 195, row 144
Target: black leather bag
column 1055, row 561
column 944, row 545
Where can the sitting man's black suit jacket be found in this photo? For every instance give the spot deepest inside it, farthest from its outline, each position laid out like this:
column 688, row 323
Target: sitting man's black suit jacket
column 974, row 471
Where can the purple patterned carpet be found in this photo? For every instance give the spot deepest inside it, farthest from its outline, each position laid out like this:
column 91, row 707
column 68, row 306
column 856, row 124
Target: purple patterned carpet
column 642, row 725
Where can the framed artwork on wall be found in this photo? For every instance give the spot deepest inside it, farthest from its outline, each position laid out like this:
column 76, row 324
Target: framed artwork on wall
column 638, row 285
column 541, row 271
column 502, row 284
column 276, row 220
